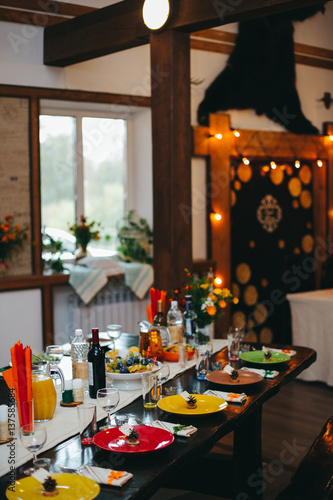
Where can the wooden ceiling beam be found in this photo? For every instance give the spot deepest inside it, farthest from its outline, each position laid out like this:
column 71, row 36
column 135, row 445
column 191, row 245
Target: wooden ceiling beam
column 120, row 26
column 48, row 6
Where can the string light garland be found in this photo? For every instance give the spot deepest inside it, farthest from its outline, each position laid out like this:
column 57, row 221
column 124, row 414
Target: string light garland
column 319, row 163
column 246, row 161
column 297, row 163
column 216, row 216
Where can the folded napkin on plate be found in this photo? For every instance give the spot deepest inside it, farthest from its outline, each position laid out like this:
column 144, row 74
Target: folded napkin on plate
column 263, row 373
column 176, row 429
column 290, row 352
column 232, row 397
column 105, row 476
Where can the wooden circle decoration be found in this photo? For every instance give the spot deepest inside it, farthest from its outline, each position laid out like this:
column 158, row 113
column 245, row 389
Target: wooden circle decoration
column 238, row 319
column 297, row 251
column 309, row 225
column 235, row 290
column 305, row 174
column 260, row 314
column 237, row 185
column 277, row 176
column 250, row 323
column 295, row 187
column 306, row 199
column 266, row 168
column 281, row 244
column 251, row 336
column 232, row 173
column 250, row 295
column 266, row 335
column 243, row 273
column 307, row 243
column 289, row 170
column 252, row 244
column 264, row 282
column 244, row 172
column 233, row 198
column 262, row 172
column 295, row 204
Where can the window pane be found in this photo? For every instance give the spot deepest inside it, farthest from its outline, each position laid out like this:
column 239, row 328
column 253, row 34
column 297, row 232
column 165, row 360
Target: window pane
column 58, row 171
column 104, row 165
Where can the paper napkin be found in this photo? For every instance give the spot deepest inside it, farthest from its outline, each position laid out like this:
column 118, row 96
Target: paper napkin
column 176, row 429
column 105, row 476
column 263, row 373
column 290, row 352
column 231, row 397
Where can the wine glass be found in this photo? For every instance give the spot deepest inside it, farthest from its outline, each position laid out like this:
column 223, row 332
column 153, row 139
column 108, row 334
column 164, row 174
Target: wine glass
column 114, row 331
column 108, row 399
column 162, row 375
column 33, row 438
column 54, row 354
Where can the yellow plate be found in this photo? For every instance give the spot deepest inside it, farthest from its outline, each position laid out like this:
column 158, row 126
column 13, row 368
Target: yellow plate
column 205, row 405
column 69, row 486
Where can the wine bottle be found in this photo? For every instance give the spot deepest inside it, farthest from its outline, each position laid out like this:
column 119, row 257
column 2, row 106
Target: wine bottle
column 96, row 365
column 160, row 319
column 190, row 323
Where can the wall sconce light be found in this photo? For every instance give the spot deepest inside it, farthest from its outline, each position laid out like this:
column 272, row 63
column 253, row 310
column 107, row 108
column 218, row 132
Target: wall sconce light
column 319, row 163
column 273, row 165
column 218, row 281
column 215, row 216
column 156, row 13
column 217, row 136
column 236, row 133
column 246, row 161
column 297, row 163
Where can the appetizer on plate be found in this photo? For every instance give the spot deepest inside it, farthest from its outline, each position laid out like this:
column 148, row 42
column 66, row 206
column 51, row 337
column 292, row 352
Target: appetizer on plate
column 132, row 363
column 132, row 435
column 191, row 401
column 233, row 374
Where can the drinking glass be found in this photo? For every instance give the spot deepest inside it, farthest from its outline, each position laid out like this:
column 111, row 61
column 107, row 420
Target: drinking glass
column 54, row 354
column 233, row 344
column 108, row 400
column 114, row 331
column 33, row 438
column 163, row 374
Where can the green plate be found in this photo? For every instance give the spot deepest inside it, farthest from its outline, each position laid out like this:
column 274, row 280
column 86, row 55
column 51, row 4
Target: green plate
column 258, row 357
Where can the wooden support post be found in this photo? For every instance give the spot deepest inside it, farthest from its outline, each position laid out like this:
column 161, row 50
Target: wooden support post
column 329, row 148
column 171, row 129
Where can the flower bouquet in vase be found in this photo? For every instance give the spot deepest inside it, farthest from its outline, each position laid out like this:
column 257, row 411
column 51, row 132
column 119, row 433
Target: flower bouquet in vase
column 12, row 238
column 84, row 232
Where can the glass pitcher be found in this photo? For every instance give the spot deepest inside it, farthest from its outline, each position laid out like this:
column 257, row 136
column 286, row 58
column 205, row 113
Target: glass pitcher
column 152, row 340
column 43, row 390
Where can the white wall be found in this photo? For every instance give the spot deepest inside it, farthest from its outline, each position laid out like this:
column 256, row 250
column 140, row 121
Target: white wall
column 21, row 319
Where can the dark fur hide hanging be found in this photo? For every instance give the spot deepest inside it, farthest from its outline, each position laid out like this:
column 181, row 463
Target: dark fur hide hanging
column 260, row 73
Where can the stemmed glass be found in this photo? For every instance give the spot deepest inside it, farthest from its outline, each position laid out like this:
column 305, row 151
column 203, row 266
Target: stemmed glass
column 162, row 375
column 54, row 354
column 33, row 438
column 114, row 331
column 108, row 399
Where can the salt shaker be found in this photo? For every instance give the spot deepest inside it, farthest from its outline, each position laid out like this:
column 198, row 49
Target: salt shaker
column 78, row 393
column 3, row 422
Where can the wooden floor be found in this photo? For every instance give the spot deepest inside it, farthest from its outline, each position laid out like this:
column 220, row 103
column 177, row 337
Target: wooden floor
column 291, row 422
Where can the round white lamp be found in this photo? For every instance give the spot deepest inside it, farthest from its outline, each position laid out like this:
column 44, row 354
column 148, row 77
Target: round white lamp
column 156, row 13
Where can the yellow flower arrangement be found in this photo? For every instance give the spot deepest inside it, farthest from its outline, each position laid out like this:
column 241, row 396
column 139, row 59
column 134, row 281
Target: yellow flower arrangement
column 208, row 300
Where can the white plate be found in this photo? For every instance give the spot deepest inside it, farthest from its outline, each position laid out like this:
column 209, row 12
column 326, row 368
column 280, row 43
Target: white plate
column 128, row 381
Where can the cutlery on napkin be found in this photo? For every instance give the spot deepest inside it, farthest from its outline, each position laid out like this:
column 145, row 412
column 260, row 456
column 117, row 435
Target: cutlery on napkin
column 177, row 429
column 263, row 373
column 232, row 397
column 105, row 476
column 290, row 352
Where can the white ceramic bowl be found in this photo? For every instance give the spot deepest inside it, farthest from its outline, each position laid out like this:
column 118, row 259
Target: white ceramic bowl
column 128, row 381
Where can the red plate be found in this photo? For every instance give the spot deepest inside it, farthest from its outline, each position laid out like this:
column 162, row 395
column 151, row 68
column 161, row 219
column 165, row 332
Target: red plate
column 244, row 378
column 151, row 439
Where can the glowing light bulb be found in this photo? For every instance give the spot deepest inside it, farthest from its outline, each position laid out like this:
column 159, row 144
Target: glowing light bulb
column 217, row 216
column 297, row 163
column 319, row 163
column 155, row 13
column 237, row 134
column 218, row 136
column 331, row 137
column 273, row 165
column 246, row 161
column 218, row 281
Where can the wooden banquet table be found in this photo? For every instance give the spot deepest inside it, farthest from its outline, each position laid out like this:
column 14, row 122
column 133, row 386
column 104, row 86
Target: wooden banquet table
column 186, row 463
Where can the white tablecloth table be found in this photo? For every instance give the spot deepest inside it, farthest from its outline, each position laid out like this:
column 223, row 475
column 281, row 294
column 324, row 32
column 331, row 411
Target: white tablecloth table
column 312, row 326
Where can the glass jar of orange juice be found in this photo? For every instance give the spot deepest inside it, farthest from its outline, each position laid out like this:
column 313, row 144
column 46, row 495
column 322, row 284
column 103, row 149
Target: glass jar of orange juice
column 43, row 390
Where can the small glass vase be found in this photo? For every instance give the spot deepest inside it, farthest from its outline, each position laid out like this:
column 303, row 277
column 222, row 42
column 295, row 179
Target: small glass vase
column 3, row 268
column 205, row 333
column 81, row 252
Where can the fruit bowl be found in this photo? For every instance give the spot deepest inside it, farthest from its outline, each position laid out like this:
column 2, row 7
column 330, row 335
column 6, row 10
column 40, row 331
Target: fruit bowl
column 129, row 381
column 171, row 353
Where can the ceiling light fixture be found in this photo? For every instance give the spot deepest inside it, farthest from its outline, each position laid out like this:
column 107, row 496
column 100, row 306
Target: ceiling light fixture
column 156, row 13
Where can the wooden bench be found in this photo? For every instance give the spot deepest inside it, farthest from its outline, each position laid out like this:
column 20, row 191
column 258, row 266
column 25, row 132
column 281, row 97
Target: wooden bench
column 313, row 479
